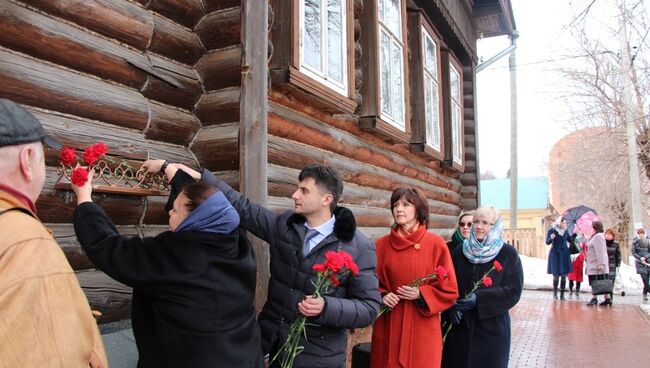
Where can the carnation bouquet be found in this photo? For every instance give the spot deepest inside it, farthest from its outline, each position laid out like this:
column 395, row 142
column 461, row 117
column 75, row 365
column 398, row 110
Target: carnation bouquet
column 329, row 273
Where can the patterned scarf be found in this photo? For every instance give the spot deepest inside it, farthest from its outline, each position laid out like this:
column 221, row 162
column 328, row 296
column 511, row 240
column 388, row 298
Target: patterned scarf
column 477, row 252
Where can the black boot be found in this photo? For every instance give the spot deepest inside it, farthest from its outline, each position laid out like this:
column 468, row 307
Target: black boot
column 555, row 282
column 562, row 295
column 562, row 288
column 605, row 302
column 577, row 288
column 592, row 302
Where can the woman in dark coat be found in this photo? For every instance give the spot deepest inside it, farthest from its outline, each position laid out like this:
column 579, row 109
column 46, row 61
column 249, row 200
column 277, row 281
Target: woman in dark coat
column 480, row 335
column 614, row 257
column 641, row 253
column 193, row 286
column 462, row 231
column 559, row 260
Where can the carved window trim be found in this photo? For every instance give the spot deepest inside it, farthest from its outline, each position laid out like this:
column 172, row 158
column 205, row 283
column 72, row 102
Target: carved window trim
column 287, row 71
column 453, row 112
column 370, row 112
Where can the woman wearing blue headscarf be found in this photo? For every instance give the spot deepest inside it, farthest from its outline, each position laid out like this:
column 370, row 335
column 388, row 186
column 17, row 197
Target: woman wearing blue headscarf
column 193, row 286
column 480, row 332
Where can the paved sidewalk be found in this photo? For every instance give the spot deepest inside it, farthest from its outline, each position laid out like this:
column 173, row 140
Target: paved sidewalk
column 553, row 333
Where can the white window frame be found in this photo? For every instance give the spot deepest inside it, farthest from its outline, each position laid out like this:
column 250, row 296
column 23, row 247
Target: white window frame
column 321, row 75
column 396, row 41
column 433, row 132
column 456, row 115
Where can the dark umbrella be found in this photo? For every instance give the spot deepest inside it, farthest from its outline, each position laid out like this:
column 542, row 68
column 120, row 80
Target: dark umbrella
column 580, row 217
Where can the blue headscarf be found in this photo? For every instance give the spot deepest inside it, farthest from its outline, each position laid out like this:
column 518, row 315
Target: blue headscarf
column 214, row 215
column 477, row 252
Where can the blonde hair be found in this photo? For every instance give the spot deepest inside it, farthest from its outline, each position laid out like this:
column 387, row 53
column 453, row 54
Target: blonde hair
column 463, row 214
column 489, row 212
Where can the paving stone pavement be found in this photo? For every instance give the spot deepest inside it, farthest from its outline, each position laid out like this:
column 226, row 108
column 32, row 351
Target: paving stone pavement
column 554, row 333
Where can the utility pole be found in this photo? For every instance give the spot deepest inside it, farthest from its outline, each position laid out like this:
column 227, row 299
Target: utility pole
column 629, row 117
column 512, row 60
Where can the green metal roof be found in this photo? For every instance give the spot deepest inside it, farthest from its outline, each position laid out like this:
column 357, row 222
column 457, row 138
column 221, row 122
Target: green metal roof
column 532, row 193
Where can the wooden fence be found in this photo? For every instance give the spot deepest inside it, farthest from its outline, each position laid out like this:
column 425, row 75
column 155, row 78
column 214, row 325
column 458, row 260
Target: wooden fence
column 526, row 241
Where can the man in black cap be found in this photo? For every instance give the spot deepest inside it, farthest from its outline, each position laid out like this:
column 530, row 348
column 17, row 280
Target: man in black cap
column 45, row 319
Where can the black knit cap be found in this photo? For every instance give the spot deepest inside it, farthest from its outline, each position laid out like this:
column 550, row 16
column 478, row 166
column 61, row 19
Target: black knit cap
column 19, row 126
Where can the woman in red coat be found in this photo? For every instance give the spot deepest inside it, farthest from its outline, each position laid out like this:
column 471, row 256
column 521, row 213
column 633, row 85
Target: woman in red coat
column 409, row 335
column 578, row 265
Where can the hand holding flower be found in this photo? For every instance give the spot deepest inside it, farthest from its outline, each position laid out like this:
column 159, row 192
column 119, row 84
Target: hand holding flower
column 153, row 166
column 81, row 186
column 466, row 303
column 390, row 300
column 408, row 292
column 311, row 307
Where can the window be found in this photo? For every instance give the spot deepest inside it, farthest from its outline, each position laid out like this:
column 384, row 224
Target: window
column 313, row 52
column 431, row 89
column 453, row 110
column 384, row 67
column 425, row 87
column 391, row 62
column 323, row 42
column 456, row 114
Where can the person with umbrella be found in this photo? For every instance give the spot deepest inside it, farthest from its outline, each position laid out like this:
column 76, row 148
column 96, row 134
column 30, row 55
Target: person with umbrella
column 559, row 261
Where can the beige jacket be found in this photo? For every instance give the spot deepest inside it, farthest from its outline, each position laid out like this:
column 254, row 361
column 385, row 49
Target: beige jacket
column 45, row 319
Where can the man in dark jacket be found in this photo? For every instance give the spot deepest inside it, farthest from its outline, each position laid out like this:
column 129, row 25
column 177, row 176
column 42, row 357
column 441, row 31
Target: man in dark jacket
column 353, row 304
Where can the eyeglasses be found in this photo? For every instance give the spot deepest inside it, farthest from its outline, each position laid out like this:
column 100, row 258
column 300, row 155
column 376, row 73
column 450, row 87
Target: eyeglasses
column 464, row 224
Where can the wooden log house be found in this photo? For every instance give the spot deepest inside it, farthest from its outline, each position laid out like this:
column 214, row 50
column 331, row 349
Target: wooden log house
column 381, row 90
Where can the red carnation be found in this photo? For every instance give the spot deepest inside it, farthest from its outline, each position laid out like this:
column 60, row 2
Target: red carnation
column 442, row 272
column 333, row 261
column 79, row 176
column 99, row 149
column 319, row 267
column 68, row 156
column 487, row 281
column 335, row 281
column 89, row 156
column 497, row 266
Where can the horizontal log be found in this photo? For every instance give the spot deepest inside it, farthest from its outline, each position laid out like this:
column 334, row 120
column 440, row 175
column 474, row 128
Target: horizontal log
column 366, row 216
column 346, row 123
column 175, row 41
column 220, row 69
column 171, row 83
column 171, row 125
column 122, row 143
column 283, row 181
column 185, row 12
column 374, row 233
column 214, row 5
column 219, row 107
column 289, row 124
column 227, row 21
column 467, row 204
column 155, row 211
column 106, row 295
column 287, row 153
column 118, row 19
column 469, row 179
column 216, row 147
column 49, row 39
column 34, row 83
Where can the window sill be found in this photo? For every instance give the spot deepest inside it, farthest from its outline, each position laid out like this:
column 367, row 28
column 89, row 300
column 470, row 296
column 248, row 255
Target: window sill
column 424, row 150
column 292, row 79
column 384, row 129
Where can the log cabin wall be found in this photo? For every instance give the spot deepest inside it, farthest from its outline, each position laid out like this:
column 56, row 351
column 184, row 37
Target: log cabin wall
column 118, row 71
column 305, row 128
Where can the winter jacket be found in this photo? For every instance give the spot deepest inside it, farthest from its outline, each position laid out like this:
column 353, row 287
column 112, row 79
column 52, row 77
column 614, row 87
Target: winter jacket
column 45, row 319
column 193, row 291
column 613, row 256
column 641, row 248
column 482, row 339
column 353, row 304
column 597, row 255
column 559, row 260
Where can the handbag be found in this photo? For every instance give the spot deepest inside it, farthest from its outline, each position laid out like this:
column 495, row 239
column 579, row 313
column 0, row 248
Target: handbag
column 601, row 286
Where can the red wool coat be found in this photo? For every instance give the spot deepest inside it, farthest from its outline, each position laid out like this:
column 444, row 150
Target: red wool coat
column 408, row 335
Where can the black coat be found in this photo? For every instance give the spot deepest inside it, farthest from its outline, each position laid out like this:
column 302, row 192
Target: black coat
column 193, row 292
column 641, row 248
column 482, row 339
column 614, row 255
column 353, row 304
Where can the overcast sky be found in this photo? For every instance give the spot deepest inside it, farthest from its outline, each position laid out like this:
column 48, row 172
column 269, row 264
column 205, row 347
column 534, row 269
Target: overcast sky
column 542, row 47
